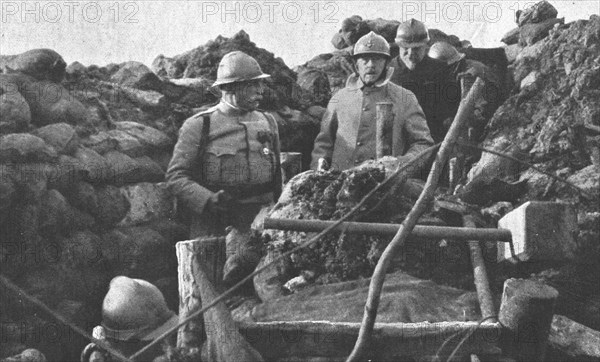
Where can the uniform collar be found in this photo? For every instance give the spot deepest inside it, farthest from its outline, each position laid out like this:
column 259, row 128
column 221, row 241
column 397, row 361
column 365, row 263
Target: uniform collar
column 354, row 81
column 230, row 110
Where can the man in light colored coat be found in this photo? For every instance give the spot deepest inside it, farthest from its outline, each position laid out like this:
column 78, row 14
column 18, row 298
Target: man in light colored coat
column 348, row 128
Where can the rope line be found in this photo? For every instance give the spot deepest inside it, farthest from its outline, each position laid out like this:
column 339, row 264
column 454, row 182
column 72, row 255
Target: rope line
column 22, row 293
column 230, row 291
column 38, row 303
column 528, row 164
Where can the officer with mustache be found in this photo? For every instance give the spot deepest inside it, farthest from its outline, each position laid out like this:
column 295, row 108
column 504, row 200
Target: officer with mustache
column 348, row 128
column 226, row 163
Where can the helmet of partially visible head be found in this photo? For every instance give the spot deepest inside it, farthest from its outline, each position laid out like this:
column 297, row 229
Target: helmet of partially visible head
column 411, row 34
column 371, row 44
column 238, row 66
column 135, row 309
column 445, row 52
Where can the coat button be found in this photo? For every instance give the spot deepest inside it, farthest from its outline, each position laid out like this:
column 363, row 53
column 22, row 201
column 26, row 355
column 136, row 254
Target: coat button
column 359, row 143
column 365, row 108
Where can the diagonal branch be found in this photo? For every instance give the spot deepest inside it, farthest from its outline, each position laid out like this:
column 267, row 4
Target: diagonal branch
column 366, row 329
column 424, row 154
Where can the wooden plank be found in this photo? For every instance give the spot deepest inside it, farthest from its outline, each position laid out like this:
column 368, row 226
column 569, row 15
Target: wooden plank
column 574, row 340
column 304, row 339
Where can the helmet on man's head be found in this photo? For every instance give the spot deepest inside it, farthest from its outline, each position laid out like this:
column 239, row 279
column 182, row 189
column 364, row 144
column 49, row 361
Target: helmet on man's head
column 372, row 44
column 412, row 34
column 445, row 52
column 238, row 66
column 135, row 309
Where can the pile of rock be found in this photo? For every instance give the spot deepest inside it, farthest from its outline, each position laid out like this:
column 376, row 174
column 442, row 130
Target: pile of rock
column 534, row 24
column 552, row 121
column 203, row 61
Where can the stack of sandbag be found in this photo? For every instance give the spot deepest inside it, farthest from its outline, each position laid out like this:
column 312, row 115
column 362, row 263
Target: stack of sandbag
column 82, row 193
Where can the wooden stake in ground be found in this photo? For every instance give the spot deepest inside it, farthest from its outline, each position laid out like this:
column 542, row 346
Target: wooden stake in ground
column 526, row 316
column 211, row 253
column 366, row 329
column 224, row 342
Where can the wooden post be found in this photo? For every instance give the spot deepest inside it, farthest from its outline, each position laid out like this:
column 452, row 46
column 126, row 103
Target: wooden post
column 210, row 253
column 291, row 165
column 383, row 118
column 482, row 284
column 526, row 315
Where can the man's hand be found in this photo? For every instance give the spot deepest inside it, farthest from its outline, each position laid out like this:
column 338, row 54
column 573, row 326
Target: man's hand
column 220, row 203
column 323, row 165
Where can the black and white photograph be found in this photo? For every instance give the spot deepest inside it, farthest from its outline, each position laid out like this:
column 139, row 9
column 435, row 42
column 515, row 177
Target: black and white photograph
column 303, row 180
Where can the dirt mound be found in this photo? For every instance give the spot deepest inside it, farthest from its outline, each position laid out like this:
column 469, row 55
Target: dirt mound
column 341, row 257
column 203, row 61
column 552, row 121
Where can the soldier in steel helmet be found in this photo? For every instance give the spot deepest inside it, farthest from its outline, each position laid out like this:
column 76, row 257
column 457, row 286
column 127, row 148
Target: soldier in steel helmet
column 427, row 78
column 347, row 136
column 226, row 163
column 134, row 313
column 464, row 71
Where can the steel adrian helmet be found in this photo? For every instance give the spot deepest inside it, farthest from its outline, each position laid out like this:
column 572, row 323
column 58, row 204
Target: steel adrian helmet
column 412, row 34
column 237, row 67
column 372, row 44
column 135, row 309
column 445, row 52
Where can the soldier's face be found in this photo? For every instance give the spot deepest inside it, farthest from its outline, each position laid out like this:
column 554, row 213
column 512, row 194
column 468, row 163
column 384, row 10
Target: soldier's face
column 370, row 67
column 412, row 56
column 249, row 94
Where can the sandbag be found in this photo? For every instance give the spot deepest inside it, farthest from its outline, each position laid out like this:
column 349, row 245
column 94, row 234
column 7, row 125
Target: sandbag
column 147, row 136
column 55, row 214
column 385, row 28
column 97, row 167
column 127, row 143
column 8, row 191
column 42, row 64
column 148, row 202
column 124, row 169
column 537, row 13
column 139, row 252
column 167, row 67
column 76, row 70
column 511, row 37
column 15, row 114
column 61, row 136
column 532, row 33
column 137, row 75
column 316, row 83
column 24, row 147
column 52, row 103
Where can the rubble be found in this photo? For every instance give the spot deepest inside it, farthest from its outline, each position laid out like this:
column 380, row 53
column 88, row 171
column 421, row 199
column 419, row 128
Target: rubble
column 550, row 125
column 337, row 258
column 83, row 151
